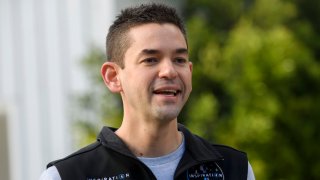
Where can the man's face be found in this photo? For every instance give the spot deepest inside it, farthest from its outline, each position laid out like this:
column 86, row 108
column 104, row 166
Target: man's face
column 156, row 80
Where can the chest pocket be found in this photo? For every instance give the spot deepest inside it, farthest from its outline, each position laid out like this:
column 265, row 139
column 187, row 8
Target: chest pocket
column 206, row 171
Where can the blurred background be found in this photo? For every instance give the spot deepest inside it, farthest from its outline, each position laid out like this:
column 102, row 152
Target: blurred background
column 256, row 80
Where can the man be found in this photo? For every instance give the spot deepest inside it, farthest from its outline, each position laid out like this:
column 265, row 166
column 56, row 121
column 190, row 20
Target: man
column 148, row 66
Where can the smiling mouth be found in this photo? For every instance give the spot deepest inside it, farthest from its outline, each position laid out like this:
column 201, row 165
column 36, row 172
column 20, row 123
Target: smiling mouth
column 167, row 92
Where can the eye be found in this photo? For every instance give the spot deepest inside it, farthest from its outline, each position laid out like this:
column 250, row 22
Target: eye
column 180, row 60
column 150, row 61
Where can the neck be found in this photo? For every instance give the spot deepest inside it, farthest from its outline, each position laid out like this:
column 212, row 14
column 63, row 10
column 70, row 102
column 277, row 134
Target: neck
column 150, row 139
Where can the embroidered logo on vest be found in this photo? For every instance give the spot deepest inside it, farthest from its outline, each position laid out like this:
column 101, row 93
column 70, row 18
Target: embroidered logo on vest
column 116, row 177
column 208, row 171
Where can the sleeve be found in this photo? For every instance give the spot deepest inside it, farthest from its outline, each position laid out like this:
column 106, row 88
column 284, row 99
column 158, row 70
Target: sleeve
column 250, row 173
column 50, row 174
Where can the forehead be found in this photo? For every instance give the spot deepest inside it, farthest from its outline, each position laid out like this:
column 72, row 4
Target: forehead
column 154, row 35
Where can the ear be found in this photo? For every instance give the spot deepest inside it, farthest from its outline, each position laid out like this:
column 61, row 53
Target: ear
column 110, row 75
column 190, row 66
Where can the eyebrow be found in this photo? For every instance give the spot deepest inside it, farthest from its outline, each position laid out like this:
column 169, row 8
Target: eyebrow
column 149, row 51
column 154, row 51
column 182, row 51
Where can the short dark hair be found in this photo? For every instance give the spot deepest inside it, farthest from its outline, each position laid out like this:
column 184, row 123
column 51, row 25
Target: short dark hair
column 118, row 41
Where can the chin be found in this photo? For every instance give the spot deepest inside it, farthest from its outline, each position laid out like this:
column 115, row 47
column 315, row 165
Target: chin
column 167, row 114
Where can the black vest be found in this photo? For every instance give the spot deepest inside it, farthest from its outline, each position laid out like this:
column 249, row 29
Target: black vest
column 110, row 159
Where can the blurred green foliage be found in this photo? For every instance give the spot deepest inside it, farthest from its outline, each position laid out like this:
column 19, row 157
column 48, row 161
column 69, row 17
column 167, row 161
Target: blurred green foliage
column 96, row 107
column 256, row 83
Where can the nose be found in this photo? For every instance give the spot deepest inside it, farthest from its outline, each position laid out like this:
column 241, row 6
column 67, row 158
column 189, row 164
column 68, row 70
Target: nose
column 167, row 70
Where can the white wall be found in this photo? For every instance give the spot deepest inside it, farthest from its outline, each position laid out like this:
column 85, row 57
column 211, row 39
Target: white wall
column 41, row 43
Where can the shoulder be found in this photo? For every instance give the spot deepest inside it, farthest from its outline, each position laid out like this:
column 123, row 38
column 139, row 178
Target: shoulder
column 199, row 145
column 79, row 163
column 80, row 155
column 229, row 151
column 232, row 162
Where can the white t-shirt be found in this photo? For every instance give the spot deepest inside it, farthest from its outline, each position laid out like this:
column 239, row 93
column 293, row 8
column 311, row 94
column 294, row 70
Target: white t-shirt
column 164, row 167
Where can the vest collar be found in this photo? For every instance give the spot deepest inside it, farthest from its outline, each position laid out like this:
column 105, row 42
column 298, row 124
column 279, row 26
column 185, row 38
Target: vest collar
column 198, row 148
column 109, row 139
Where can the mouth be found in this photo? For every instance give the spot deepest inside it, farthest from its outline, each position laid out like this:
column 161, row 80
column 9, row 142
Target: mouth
column 167, row 92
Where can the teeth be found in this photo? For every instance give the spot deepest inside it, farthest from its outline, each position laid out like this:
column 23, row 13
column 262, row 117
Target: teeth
column 174, row 92
column 169, row 91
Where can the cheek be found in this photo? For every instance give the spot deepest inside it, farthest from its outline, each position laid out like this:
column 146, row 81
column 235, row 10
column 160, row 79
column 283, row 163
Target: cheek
column 140, row 83
column 188, row 83
column 187, row 78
